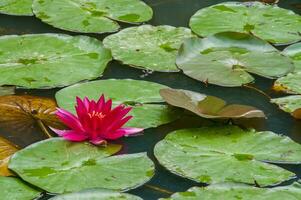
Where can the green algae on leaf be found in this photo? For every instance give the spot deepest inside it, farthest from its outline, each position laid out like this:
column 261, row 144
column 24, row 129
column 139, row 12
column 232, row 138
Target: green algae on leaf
column 59, row 166
column 50, row 60
column 94, row 16
column 16, row 7
column 226, row 59
column 228, row 154
column 148, row 47
column 268, row 22
column 290, row 104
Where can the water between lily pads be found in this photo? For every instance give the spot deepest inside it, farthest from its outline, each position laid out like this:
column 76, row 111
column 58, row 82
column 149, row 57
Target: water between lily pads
column 175, row 13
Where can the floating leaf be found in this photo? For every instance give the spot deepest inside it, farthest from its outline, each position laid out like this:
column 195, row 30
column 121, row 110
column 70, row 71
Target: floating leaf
column 268, row 22
column 294, row 52
column 228, row 154
column 289, row 84
column 208, row 106
column 15, row 189
column 59, row 166
column 96, row 194
column 16, row 7
column 6, row 150
column 226, row 58
column 94, row 16
column 148, row 47
column 7, row 90
column 50, row 60
column 290, row 104
column 232, row 191
column 142, row 95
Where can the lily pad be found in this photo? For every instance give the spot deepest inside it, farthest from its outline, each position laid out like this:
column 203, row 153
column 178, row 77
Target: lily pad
column 143, row 96
column 294, row 52
column 50, row 60
column 226, row 58
column 6, row 150
column 148, row 47
column 290, row 104
column 59, row 166
column 201, row 155
column 97, row 194
column 16, row 7
column 208, row 106
column 15, row 189
column 239, row 191
column 94, row 16
column 290, row 84
column 268, row 22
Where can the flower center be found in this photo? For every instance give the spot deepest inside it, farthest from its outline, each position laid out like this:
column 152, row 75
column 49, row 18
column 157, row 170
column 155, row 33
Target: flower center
column 99, row 115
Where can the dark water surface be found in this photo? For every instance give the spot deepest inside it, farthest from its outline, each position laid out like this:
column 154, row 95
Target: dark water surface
column 175, row 13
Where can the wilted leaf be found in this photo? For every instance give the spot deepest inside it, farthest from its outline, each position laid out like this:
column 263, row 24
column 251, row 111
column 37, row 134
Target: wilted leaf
column 6, row 150
column 16, row 7
column 290, row 104
column 208, row 106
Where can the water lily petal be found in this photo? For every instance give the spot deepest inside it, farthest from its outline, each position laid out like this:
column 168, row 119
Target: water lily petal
column 69, row 119
column 100, row 103
column 108, row 106
column 98, row 141
column 131, row 130
column 71, row 135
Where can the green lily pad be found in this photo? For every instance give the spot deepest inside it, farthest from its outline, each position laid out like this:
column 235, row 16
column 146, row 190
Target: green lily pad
column 226, row 58
column 50, row 60
column 290, row 104
column 94, row 16
column 15, row 189
column 228, row 154
column 294, row 52
column 148, row 47
column 208, row 106
column 143, row 96
column 239, row 191
column 290, row 83
column 96, row 194
column 59, row 166
column 268, row 22
column 16, row 7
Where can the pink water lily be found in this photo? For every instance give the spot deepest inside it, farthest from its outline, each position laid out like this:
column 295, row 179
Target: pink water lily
column 95, row 121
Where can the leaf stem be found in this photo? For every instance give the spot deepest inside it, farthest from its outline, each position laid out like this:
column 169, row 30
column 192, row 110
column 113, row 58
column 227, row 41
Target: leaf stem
column 257, row 90
column 159, row 189
column 44, row 129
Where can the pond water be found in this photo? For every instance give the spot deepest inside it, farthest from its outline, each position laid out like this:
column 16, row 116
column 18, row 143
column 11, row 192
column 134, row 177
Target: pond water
column 175, row 13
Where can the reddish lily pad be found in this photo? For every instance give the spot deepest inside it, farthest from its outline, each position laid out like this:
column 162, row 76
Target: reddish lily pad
column 6, row 150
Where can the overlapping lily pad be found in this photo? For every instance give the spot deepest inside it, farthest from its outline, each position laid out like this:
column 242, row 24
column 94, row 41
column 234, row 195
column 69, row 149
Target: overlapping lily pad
column 142, row 95
column 97, row 194
column 294, row 52
column 50, row 60
column 268, row 22
column 290, row 104
column 228, row 154
column 14, row 188
column 16, row 7
column 208, row 106
column 239, row 191
column 148, row 47
column 226, row 58
column 59, row 166
column 6, row 150
column 290, row 84
column 94, row 16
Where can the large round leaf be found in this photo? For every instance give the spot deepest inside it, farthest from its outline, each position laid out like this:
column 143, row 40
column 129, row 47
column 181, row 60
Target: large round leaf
column 148, row 47
column 6, row 150
column 289, row 84
column 226, row 58
column 15, row 189
column 240, row 192
column 142, row 95
column 94, row 16
column 294, row 52
column 96, row 194
column 228, row 154
column 269, row 22
column 16, row 7
column 290, row 104
column 59, row 166
column 50, row 60
column 208, row 106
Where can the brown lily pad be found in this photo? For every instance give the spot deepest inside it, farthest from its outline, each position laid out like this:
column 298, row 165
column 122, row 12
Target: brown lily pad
column 208, row 106
column 7, row 149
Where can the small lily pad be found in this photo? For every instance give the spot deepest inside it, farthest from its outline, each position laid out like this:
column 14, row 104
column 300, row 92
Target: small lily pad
column 228, row 154
column 59, row 166
column 290, row 104
column 294, row 52
column 226, row 58
column 16, row 7
column 15, row 189
column 290, row 83
column 93, row 16
column 232, row 191
column 268, row 22
column 143, row 96
column 148, row 47
column 50, row 60
column 96, row 194
column 6, row 150
column 208, row 106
